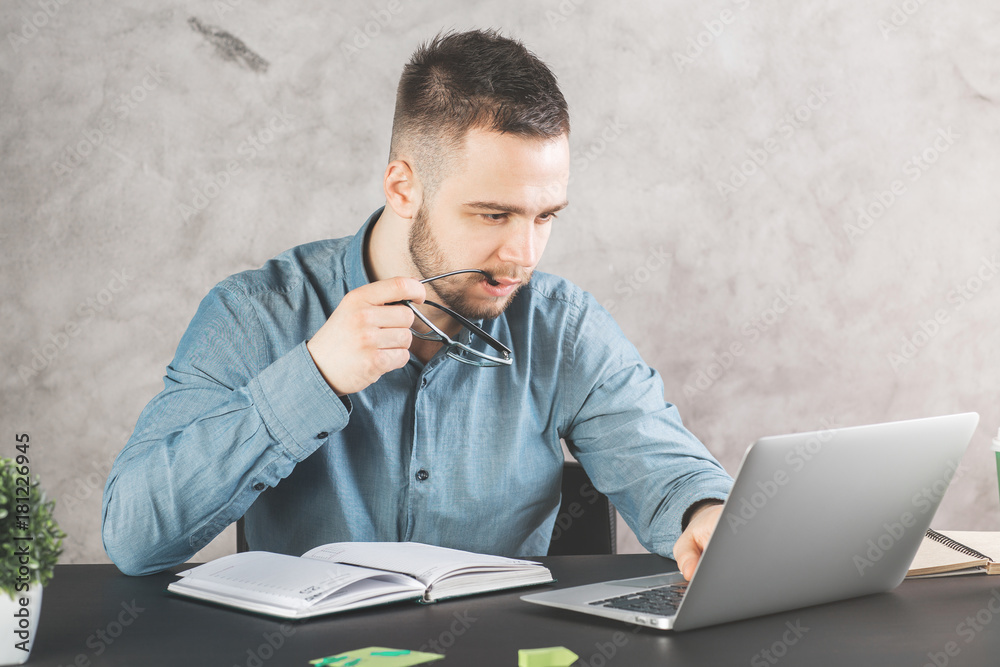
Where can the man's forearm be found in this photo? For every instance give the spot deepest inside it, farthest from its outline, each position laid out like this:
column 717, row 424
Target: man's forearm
column 167, row 496
column 174, row 488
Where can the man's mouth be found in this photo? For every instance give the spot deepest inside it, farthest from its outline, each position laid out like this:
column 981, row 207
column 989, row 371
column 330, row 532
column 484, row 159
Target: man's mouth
column 499, row 287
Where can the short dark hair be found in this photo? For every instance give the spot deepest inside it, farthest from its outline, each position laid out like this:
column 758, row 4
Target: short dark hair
column 476, row 79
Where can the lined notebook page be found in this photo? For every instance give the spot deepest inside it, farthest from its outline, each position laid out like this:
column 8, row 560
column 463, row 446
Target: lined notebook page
column 280, row 579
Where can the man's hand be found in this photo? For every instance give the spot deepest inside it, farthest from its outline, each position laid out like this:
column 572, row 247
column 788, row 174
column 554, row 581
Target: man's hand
column 364, row 338
column 692, row 542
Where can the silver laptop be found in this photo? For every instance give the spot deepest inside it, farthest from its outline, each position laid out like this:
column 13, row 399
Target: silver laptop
column 812, row 518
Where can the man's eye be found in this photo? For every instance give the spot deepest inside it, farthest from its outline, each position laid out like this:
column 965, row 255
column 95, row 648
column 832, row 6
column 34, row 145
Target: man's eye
column 547, row 217
column 495, row 217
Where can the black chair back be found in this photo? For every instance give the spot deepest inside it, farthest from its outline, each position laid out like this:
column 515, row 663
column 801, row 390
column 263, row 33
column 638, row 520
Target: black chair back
column 586, row 523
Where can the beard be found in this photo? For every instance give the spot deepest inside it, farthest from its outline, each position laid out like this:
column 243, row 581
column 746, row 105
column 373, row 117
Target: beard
column 454, row 291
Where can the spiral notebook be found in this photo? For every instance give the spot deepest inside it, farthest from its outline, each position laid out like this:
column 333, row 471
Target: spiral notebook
column 953, row 552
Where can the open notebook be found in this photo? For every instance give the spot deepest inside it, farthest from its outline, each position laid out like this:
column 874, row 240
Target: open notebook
column 350, row 575
column 951, row 552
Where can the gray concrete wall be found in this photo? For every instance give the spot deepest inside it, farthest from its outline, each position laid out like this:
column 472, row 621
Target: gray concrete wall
column 813, row 183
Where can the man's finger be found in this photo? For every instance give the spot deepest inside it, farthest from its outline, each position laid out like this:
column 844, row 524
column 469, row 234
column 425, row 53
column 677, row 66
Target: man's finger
column 682, row 565
column 392, row 289
column 690, row 563
column 692, row 542
column 387, row 339
column 682, row 549
column 389, row 359
column 389, row 317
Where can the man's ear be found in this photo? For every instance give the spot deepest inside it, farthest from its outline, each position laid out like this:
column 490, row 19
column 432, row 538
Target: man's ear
column 403, row 191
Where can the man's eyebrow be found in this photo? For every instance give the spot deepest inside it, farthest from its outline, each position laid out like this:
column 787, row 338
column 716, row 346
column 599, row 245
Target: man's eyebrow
column 508, row 208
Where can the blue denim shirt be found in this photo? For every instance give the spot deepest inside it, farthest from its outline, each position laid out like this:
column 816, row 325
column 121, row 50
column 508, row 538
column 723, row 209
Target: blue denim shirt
column 443, row 453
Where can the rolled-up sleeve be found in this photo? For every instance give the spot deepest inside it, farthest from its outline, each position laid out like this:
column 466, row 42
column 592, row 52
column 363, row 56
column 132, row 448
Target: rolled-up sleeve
column 631, row 442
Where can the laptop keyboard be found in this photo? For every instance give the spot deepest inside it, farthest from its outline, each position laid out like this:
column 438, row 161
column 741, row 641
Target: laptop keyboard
column 662, row 600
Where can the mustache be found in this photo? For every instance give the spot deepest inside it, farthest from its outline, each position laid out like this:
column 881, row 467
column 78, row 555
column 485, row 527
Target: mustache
column 466, row 278
column 512, row 273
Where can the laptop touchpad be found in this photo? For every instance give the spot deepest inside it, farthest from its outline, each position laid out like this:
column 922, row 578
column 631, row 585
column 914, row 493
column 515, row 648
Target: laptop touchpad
column 650, row 581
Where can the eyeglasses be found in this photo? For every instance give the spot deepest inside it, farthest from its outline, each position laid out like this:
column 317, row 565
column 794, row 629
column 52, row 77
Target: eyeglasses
column 456, row 349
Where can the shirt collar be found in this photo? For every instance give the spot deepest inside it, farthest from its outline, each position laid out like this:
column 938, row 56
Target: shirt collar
column 357, row 275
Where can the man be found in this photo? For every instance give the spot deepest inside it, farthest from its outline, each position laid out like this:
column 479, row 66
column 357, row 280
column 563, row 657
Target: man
column 299, row 397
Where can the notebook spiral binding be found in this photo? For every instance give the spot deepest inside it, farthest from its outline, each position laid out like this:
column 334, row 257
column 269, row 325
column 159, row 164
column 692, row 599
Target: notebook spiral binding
column 957, row 546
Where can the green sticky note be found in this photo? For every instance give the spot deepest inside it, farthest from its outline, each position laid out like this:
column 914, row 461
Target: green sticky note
column 377, row 656
column 554, row 656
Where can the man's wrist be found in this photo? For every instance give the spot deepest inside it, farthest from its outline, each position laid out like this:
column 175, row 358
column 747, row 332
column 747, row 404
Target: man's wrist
column 693, row 509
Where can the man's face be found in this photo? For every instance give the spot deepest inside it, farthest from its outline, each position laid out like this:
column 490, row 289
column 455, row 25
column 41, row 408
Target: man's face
column 494, row 212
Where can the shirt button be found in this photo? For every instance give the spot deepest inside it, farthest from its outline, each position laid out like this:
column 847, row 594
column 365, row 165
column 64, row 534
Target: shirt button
column 422, row 475
column 322, row 435
column 423, row 382
column 259, row 486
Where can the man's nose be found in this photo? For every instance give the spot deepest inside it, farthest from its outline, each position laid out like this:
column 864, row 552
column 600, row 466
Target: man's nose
column 520, row 247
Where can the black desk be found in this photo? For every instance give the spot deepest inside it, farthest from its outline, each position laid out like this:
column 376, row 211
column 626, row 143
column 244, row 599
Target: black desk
column 92, row 614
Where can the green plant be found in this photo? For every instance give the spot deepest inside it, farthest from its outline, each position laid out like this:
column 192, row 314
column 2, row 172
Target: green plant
column 25, row 513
